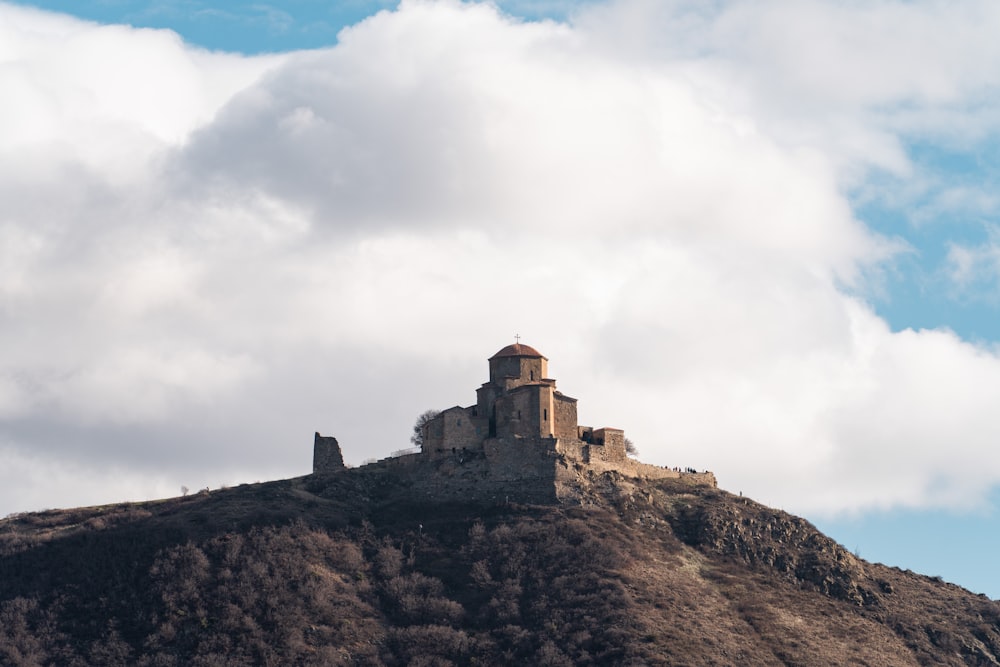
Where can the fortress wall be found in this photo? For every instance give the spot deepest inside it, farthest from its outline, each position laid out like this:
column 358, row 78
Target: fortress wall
column 501, row 470
column 515, row 458
column 397, row 463
column 573, row 448
column 509, row 470
column 509, row 461
column 595, row 452
column 503, row 475
column 633, row 468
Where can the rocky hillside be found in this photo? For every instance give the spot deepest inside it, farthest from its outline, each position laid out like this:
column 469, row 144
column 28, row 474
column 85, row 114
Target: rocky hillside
column 344, row 570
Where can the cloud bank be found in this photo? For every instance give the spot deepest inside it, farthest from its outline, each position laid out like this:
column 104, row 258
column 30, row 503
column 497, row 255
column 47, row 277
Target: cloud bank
column 204, row 257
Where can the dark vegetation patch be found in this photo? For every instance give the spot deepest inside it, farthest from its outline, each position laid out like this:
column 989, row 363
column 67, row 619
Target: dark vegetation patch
column 344, row 570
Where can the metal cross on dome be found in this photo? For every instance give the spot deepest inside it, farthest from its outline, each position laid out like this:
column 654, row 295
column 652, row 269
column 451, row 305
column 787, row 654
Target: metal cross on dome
column 517, row 339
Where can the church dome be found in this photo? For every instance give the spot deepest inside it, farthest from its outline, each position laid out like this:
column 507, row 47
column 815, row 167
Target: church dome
column 518, row 350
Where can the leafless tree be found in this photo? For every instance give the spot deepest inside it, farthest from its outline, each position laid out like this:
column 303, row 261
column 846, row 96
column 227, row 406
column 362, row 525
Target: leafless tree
column 418, row 428
column 631, row 449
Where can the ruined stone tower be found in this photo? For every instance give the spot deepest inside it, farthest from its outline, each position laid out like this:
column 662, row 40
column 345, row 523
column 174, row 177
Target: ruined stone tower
column 327, row 456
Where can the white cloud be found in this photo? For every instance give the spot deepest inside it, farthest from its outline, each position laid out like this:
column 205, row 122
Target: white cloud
column 205, row 258
column 106, row 95
column 971, row 266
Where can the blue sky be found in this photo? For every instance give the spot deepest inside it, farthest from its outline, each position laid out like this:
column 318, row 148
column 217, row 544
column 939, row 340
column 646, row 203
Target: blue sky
column 771, row 225
column 919, row 293
column 260, row 27
column 958, row 546
column 250, row 28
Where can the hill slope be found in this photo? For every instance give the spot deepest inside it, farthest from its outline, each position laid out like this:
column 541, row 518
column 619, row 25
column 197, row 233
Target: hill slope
column 344, row 569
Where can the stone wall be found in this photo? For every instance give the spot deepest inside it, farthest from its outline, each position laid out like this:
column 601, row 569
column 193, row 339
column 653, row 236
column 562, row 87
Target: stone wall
column 564, row 408
column 573, row 448
column 511, row 372
column 454, row 428
column 518, row 414
column 495, row 476
column 433, row 436
column 504, row 470
column 608, row 444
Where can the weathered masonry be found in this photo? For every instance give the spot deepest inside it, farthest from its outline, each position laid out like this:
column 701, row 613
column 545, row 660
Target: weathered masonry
column 520, row 407
column 519, row 441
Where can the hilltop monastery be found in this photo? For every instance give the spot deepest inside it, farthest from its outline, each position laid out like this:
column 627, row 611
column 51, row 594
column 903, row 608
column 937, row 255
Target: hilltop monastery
column 520, row 439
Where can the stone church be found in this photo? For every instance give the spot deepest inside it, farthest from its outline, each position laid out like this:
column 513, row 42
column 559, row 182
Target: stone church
column 519, row 407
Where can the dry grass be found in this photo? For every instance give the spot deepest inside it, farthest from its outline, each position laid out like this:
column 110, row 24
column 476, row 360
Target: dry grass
column 347, row 570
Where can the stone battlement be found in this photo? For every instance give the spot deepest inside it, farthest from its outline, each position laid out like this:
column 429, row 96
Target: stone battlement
column 519, row 442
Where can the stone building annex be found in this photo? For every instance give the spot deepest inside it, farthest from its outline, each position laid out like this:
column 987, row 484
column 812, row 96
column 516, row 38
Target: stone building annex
column 520, row 440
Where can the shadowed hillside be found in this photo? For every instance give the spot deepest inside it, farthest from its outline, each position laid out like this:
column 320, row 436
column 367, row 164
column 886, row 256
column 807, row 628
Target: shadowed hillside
column 343, row 569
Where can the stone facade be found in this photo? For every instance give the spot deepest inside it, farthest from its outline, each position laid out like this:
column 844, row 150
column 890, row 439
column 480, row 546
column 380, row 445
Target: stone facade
column 519, row 441
column 519, row 405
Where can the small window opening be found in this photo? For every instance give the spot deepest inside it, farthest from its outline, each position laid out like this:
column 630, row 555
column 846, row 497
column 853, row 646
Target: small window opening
column 518, row 414
column 545, row 412
column 532, row 375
